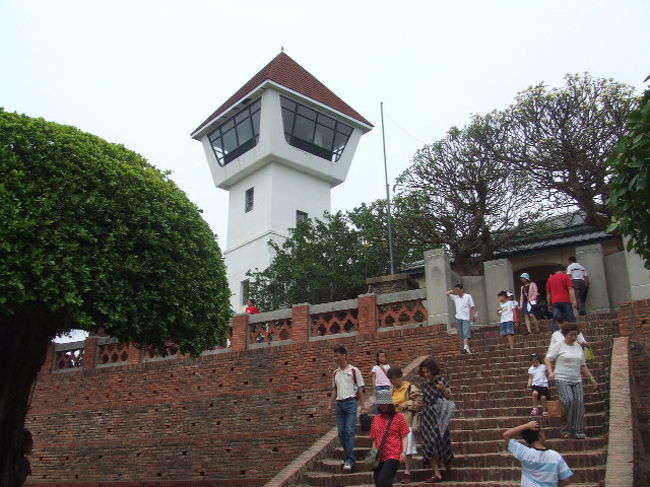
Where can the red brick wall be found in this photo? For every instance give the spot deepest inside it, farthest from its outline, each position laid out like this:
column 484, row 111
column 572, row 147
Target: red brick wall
column 634, row 318
column 233, row 418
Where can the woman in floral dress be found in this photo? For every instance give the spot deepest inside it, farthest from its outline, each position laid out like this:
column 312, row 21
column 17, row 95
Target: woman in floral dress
column 436, row 441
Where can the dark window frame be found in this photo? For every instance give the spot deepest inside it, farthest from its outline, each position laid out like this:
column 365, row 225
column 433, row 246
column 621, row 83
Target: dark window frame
column 333, row 152
column 245, row 290
column 216, row 137
column 301, row 216
column 249, row 199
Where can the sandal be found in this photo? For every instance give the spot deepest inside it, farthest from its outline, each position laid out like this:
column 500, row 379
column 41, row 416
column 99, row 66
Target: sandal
column 433, row 479
column 534, row 412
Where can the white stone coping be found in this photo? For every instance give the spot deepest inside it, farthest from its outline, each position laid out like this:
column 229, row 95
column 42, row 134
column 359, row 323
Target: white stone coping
column 62, row 347
column 279, row 314
column 334, row 306
column 410, row 295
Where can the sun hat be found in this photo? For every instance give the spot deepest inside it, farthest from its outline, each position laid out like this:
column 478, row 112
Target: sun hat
column 526, row 276
column 384, row 396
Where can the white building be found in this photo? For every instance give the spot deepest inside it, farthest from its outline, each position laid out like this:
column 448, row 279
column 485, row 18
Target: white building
column 278, row 145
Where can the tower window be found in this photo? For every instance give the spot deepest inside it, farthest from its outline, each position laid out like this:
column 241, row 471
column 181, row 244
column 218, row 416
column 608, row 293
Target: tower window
column 301, row 216
column 236, row 135
column 312, row 131
column 245, row 289
column 250, row 200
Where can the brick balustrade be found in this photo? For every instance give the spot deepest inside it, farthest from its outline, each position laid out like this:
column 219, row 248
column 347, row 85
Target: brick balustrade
column 303, row 323
column 620, row 444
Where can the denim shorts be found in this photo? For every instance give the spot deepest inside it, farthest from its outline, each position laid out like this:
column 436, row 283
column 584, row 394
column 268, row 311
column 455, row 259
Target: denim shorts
column 464, row 328
column 507, row 328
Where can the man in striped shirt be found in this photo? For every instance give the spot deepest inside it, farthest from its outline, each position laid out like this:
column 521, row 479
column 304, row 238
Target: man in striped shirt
column 540, row 466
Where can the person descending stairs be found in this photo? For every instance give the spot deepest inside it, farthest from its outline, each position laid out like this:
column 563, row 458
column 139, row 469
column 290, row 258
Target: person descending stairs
column 491, row 395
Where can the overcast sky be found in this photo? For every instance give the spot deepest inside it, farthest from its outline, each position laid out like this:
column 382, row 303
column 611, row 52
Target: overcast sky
column 146, row 73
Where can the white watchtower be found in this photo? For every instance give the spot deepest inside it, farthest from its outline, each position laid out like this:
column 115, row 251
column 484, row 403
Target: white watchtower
column 278, row 145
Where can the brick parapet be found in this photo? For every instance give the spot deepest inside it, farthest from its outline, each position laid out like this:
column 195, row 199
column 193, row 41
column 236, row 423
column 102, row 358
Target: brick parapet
column 367, row 314
column 620, row 446
column 239, row 332
column 634, row 323
column 300, row 323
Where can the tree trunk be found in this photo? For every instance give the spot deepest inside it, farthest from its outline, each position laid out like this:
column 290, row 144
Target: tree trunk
column 24, row 338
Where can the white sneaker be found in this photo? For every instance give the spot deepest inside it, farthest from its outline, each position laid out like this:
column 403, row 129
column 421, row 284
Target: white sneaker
column 347, row 467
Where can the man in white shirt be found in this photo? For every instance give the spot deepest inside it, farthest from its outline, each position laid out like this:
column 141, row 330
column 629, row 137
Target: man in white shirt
column 465, row 314
column 347, row 394
column 580, row 278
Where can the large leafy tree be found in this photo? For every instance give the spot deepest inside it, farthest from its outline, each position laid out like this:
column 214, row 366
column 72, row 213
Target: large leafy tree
column 562, row 138
column 322, row 260
column 92, row 235
column 455, row 194
column 629, row 188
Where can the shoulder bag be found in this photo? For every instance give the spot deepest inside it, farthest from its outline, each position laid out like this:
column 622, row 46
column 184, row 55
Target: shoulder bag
column 373, row 456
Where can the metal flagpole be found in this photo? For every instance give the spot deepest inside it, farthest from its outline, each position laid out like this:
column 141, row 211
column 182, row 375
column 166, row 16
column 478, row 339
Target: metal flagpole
column 390, row 229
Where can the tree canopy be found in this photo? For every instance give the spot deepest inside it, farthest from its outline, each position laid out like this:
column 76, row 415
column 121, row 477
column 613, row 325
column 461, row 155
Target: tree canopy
column 561, row 138
column 322, row 260
column 93, row 235
column 629, row 188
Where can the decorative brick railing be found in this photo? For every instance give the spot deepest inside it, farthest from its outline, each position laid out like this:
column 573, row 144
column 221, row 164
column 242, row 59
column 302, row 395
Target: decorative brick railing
column 69, row 356
column 365, row 315
column 112, row 353
column 401, row 308
column 334, row 318
column 270, row 327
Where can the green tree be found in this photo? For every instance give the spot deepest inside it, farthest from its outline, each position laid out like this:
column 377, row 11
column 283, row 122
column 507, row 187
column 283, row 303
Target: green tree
column 92, row 235
column 629, row 188
column 322, row 260
column 561, row 138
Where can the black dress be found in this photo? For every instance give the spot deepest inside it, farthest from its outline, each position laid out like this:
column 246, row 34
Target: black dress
column 434, row 444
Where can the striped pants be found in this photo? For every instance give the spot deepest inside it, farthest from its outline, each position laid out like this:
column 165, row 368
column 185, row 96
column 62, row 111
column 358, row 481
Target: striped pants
column 572, row 396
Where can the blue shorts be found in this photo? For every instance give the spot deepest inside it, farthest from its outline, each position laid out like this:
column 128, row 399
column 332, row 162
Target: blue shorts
column 464, row 328
column 507, row 328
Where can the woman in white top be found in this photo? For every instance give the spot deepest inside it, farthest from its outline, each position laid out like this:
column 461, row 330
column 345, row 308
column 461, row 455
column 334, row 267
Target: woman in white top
column 567, row 374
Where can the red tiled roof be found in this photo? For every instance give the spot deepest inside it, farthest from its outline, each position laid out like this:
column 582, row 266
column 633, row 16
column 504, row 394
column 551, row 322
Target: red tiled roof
column 288, row 73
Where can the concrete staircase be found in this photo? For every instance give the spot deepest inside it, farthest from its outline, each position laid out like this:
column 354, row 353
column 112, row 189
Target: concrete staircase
column 489, row 388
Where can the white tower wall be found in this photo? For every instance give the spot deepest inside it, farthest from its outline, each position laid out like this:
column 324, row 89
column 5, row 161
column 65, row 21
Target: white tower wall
column 270, row 218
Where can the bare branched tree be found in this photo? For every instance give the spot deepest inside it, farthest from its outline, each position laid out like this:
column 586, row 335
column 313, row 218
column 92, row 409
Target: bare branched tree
column 562, row 138
column 460, row 196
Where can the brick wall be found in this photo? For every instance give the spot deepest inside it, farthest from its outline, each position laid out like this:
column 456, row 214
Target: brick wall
column 634, row 318
column 233, row 418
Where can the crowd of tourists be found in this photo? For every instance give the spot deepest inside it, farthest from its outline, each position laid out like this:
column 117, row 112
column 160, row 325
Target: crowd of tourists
column 410, row 419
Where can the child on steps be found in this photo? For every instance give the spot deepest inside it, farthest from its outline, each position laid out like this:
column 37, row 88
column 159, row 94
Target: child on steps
column 538, row 382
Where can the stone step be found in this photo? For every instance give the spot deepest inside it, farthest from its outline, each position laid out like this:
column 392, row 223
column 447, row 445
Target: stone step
column 497, row 445
column 501, row 458
column 511, row 385
column 518, row 411
column 474, row 475
column 518, row 398
column 455, row 483
column 490, row 398
column 500, row 356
